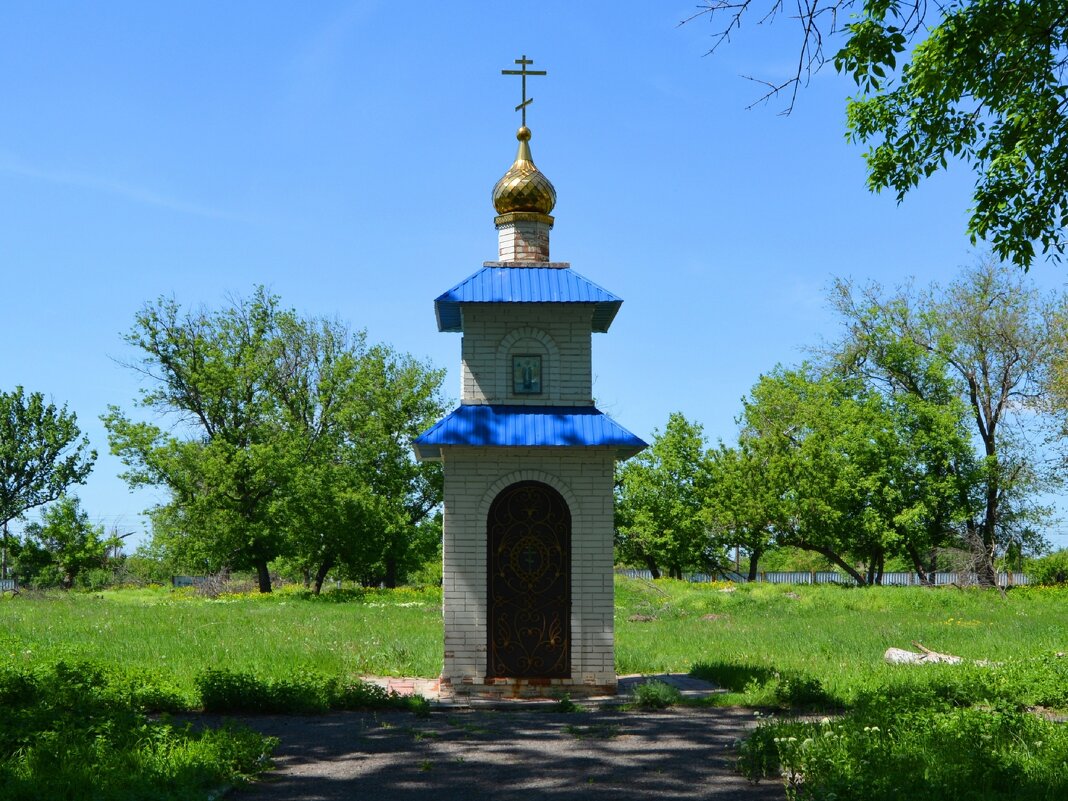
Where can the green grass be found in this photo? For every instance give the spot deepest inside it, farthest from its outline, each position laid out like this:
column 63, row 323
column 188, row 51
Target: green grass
column 960, row 732
column 345, row 634
column 836, row 634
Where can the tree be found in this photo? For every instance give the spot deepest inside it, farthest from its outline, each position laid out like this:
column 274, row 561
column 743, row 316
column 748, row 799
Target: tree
column 216, row 375
column 978, row 80
column 815, row 453
column 357, row 503
column 65, row 541
column 995, row 335
column 661, row 503
column 847, row 472
column 291, row 439
column 42, row 452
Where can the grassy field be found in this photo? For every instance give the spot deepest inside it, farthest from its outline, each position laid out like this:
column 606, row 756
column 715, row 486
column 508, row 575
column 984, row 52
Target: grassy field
column 75, row 665
column 836, row 634
column 342, row 634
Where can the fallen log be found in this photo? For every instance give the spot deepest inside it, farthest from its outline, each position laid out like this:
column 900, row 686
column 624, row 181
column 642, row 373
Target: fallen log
column 925, row 656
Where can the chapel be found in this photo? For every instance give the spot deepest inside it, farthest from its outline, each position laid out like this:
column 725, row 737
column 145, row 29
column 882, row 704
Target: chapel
column 528, row 462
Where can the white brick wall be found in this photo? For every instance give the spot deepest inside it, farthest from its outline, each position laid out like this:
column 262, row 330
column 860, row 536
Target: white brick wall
column 473, row 478
column 559, row 332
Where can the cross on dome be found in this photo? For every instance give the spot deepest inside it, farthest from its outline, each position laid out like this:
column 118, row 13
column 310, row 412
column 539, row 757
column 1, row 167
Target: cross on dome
column 523, row 62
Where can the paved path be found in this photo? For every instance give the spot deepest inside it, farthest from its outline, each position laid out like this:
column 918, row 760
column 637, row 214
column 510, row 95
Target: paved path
column 688, row 687
column 465, row 754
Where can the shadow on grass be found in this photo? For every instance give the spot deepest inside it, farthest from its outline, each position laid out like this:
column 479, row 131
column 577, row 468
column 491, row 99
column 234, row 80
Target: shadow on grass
column 732, row 676
column 761, row 685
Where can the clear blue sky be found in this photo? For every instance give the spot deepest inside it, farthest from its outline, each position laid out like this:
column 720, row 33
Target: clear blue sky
column 343, row 153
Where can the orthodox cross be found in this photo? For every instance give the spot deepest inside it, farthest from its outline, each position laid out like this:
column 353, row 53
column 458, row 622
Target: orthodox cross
column 523, row 62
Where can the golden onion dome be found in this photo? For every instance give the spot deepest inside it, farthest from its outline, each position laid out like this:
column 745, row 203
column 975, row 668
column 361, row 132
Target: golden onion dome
column 524, row 187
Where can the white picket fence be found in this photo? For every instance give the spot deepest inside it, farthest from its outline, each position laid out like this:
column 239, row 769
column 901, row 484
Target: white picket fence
column 834, row 577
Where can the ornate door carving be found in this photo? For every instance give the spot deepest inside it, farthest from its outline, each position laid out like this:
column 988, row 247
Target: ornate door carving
column 529, row 583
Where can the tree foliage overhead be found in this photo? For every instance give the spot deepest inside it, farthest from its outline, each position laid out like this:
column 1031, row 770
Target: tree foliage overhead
column 288, row 438
column 981, row 81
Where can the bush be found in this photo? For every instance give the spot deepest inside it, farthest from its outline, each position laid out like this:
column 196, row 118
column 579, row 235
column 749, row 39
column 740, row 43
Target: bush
column 78, row 731
column 235, row 691
column 656, row 694
column 923, row 754
column 1049, row 570
column 227, row 691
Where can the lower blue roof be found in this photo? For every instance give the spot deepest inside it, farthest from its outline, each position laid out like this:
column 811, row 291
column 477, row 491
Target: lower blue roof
column 527, row 426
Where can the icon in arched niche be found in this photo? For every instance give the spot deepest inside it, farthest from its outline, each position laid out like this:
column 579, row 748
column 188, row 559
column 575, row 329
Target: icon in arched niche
column 529, row 583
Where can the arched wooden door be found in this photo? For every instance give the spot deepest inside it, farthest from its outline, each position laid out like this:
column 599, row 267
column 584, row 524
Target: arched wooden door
column 529, row 583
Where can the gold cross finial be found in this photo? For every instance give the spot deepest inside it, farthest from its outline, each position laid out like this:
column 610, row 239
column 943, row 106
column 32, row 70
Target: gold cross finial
column 523, row 62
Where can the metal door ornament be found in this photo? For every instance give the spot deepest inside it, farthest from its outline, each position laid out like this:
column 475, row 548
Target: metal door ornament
column 529, row 583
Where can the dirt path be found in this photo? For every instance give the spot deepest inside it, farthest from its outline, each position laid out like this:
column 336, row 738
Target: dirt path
column 463, row 755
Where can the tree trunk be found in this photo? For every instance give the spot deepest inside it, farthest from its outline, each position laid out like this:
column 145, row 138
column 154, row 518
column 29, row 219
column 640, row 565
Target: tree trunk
column 653, row 569
column 881, row 568
column 3, row 554
column 754, row 557
column 320, row 574
column 263, row 575
column 985, row 574
column 391, row 572
column 917, row 564
column 984, row 556
column 838, row 560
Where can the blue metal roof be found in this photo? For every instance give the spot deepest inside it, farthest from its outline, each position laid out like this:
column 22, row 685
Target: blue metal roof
column 527, row 426
column 494, row 284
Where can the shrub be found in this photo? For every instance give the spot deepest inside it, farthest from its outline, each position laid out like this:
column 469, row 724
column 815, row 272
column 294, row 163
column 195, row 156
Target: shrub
column 792, row 689
column 1049, row 570
column 656, row 694
column 236, row 691
column 227, row 691
column 78, row 731
column 923, row 754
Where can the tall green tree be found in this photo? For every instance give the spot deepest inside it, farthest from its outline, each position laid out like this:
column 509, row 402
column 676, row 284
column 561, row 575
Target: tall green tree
column 225, row 454
column 662, row 518
column 287, row 439
column 978, row 81
column 42, row 453
column 64, row 542
column 850, row 473
column 994, row 337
